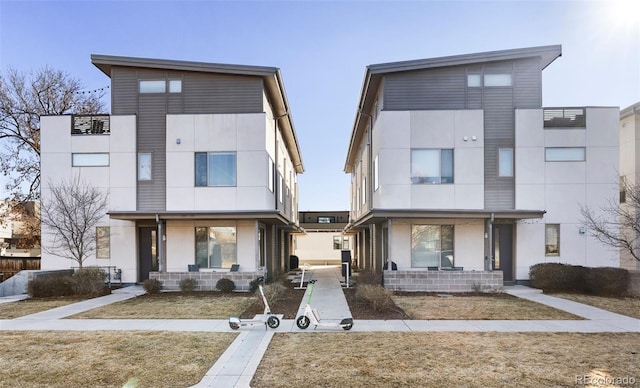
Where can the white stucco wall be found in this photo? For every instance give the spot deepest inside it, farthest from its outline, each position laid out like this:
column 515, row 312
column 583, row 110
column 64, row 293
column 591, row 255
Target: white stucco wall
column 561, row 188
column 316, row 247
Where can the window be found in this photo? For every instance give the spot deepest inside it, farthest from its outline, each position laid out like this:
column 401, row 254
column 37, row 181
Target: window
column 345, row 243
column 623, row 189
column 144, row 166
column 215, row 168
column 103, row 246
column 364, row 190
column 280, row 187
column 375, row 173
column 270, row 173
column 154, row 86
column 565, row 154
column 216, row 246
column 326, row 219
column 337, row 242
column 432, row 246
column 497, row 80
column 552, row 240
column 90, row 160
column 431, row 166
column 474, row 80
column 505, row 162
column 175, row 86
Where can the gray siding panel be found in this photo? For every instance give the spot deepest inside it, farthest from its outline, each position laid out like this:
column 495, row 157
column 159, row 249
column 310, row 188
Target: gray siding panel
column 215, row 93
column 426, row 89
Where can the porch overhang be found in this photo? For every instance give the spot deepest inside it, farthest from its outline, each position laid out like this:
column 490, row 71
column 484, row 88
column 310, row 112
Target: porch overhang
column 266, row 217
column 377, row 216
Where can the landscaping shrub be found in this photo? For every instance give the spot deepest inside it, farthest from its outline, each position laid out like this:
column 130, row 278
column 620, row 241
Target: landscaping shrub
column 46, row 286
column 375, row 296
column 275, row 292
column 225, row 285
column 253, row 285
column 188, row 285
column 368, row 276
column 152, row 286
column 558, row 277
column 607, row 281
column 603, row 281
column 88, row 281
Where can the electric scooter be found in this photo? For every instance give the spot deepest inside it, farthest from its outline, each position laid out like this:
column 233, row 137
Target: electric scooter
column 310, row 315
column 268, row 319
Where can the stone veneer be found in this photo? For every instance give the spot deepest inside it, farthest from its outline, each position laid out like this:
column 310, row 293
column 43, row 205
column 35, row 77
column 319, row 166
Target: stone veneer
column 206, row 280
column 443, row 281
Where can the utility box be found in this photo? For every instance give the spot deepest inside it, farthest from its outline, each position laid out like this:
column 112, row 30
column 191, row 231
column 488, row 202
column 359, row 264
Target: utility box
column 346, row 258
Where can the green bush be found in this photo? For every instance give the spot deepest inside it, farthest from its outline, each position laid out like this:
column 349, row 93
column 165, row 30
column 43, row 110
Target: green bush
column 152, row 286
column 604, row 281
column 188, row 285
column 374, row 296
column 47, row 286
column 225, row 285
column 607, row 281
column 88, row 281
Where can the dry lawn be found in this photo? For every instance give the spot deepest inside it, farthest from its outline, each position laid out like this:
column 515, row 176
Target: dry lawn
column 31, row 306
column 172, row 306
column 108, row 359
column 498, row 307
column 445, row 359
column 624, row 306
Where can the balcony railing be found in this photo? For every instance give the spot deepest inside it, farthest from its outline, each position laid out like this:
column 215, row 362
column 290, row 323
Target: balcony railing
column 565, row 118
column 90, row 125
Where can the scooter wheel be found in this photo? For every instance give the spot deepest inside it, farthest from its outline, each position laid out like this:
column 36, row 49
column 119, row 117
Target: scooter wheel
column 273, row 322
column 347, row 327
column 234, row 326
column 303, row 322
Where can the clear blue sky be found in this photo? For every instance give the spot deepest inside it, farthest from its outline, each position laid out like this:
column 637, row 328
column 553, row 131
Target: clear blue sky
column 322, row 48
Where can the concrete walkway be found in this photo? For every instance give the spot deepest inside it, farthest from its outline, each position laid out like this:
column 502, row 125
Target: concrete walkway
column 238, row 363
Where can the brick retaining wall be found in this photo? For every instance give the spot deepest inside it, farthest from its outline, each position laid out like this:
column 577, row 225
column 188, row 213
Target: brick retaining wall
column 442, row 281
column 206, row 280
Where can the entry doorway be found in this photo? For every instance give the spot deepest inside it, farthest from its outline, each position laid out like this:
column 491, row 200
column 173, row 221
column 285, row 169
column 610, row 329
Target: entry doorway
column 503, row 250
column 147, row 251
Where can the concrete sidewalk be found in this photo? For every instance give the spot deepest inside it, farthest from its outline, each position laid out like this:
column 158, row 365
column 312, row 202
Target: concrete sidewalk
column 237, row 365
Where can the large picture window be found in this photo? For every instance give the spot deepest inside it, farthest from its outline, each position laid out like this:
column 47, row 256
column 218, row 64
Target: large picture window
column 216, row 246
column 432, row 246
column 432, row 166
column 215, row 168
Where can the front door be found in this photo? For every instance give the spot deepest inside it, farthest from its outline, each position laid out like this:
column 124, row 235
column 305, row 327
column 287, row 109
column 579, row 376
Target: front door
column 147, row 251
column 503, row 250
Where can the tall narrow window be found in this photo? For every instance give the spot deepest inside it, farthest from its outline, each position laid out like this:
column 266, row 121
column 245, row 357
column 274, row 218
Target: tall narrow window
column 375, row 173
column 364, row 190
column 505, row 162
column 270, row 173
column 144, row 166
column 337, row 242
column 103, row 242
column 552, row 240
column 432, row 166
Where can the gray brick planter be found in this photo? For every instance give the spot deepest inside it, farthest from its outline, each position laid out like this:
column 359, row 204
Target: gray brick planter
column 206, row 280
column 443, row 281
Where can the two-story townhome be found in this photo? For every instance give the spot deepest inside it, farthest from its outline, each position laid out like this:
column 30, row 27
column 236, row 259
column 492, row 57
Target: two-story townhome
column 462, row 179
column 200, row 163
column 629, row 169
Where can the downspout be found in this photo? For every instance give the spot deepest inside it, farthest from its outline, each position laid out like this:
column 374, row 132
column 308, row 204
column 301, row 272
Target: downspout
column 369, row 187
column 489, row 264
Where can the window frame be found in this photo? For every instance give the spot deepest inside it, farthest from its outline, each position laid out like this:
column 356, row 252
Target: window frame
column 198, row 156
column 511, row 172
column 425, row 180
column 225, row 262
column 548, row 251
column 144, row 166
column 439, row 252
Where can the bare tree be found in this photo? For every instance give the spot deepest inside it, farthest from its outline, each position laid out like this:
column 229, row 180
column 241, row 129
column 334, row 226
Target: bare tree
column 23, row 99
column 71, row 210
column 617, row 224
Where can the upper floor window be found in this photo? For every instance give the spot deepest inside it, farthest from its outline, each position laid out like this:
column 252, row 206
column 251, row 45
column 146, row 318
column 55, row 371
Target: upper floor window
column 564, row 118
column 144, row 166
column 160, row 86
column 375, row 173
column 215, row 168
column 565, row 154
column 326, row 219
column 497, row 80
column 90, row 160
column 505, row 162
column 432, row 166
column 474, row 80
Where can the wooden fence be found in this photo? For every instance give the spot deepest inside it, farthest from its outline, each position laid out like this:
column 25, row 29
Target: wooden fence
column 10, row 266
